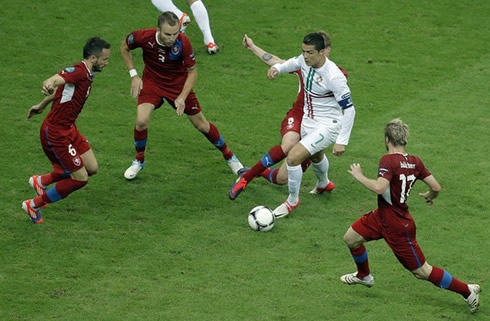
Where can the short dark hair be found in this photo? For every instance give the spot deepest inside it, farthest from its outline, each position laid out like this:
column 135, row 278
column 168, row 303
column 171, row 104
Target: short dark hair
column 316, row 39
column 94, row 46
column 168, row 17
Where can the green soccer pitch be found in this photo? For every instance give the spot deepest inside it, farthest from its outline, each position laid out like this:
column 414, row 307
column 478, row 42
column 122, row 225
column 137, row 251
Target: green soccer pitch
column 170, row 245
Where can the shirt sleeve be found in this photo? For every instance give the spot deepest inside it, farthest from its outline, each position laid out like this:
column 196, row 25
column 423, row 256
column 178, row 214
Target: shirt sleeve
column 133, row 40
column 72, row 75
column 424, row 172
column 187, row 53
column 384, row 168
column 290, row 65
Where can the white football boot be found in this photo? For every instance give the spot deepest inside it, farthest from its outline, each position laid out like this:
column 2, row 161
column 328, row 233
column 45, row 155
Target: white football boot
column 474, row 299
column 352, row 279
column 234, row 164
column 133, row 170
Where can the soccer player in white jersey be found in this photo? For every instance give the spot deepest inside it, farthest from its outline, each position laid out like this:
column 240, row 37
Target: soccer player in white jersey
column 200, row 14
column 328, row 115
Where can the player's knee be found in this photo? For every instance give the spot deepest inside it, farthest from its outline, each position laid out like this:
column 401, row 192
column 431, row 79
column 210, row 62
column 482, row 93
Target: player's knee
column 92, row 171
column 348, row 240
column 141, row 123
column 423, row 272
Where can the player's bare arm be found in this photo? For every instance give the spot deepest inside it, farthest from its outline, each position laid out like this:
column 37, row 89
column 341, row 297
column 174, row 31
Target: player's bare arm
column 266, row 57
column 188, row 85
column 434, row 189
column 378, row 186
column 39, row 108
column 136, row 82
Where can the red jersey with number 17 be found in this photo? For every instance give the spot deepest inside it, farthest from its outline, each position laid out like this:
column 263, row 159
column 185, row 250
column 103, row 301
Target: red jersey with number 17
column 69, row 98
column 166, row 66
column 402, row 170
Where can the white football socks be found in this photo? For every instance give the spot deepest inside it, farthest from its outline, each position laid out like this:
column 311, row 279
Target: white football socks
column 321, row 172
column 167, row 5
column 201, row 16
column 295, row 175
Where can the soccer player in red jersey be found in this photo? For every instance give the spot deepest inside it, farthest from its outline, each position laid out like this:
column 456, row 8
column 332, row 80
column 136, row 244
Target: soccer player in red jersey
column 290, row 133
column 392, row 221
column 170, row 74
column 69, row 152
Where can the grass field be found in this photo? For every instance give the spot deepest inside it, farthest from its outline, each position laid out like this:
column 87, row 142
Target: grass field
column 170, row 245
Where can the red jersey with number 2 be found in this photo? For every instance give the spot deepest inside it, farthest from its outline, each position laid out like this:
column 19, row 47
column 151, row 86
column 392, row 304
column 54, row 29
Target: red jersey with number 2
column 69, row 98
column 166, row 66
column 402, row 170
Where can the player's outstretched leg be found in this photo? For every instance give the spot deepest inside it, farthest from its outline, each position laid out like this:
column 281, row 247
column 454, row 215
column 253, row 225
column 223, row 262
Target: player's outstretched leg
column 443, row 279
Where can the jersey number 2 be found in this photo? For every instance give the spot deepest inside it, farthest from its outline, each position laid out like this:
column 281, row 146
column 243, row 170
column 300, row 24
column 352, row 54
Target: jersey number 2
column 405, row 192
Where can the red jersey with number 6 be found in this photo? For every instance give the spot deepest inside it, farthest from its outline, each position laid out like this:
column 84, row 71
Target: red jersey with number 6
column 402, row 170
column 166, row 66
column 69, row 98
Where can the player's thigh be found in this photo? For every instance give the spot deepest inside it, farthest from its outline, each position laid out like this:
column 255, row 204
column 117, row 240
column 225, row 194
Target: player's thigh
column 292, row 121
column 297, row 155
column 80, row 175
column 61, row 149
column 402, row 241
column 369, row 226
column 289, row 139
column 90, row 162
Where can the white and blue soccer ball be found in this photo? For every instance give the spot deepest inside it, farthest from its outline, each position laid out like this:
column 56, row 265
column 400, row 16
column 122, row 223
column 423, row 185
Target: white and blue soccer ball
column 261, row 218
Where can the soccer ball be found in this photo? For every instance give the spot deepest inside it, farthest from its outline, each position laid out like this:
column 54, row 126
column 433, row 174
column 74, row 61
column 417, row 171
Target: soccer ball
column 261, row 219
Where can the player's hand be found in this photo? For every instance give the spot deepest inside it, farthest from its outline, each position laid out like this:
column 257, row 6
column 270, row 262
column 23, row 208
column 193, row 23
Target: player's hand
column 47, row 88
column 272, row 73
column 34, row 110
column 136, row 86
column 428, row 200
column 338, row 149
column 247, row 42
column 355, row 170
column 179, row 106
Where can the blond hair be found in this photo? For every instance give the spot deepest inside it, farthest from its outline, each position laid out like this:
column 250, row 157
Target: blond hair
column 397, row 132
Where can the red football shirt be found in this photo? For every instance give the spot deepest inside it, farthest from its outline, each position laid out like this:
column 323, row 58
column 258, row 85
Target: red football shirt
column 402, row 171
column 163, row 65
column 70, row 98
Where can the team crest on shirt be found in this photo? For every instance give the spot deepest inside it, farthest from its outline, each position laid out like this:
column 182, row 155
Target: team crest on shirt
column 70, row 69
column 319, row 79
column 176, row 50
column 130, row 39
column 77, row 161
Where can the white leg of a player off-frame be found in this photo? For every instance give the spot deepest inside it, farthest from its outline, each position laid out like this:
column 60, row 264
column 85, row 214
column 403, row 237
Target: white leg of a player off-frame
column 167, row 5
column 321, row 172
column 201, row 16
column 295, row 175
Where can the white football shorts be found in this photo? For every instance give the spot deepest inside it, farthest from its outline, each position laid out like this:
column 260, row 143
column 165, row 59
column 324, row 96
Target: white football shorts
column 316, row 136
